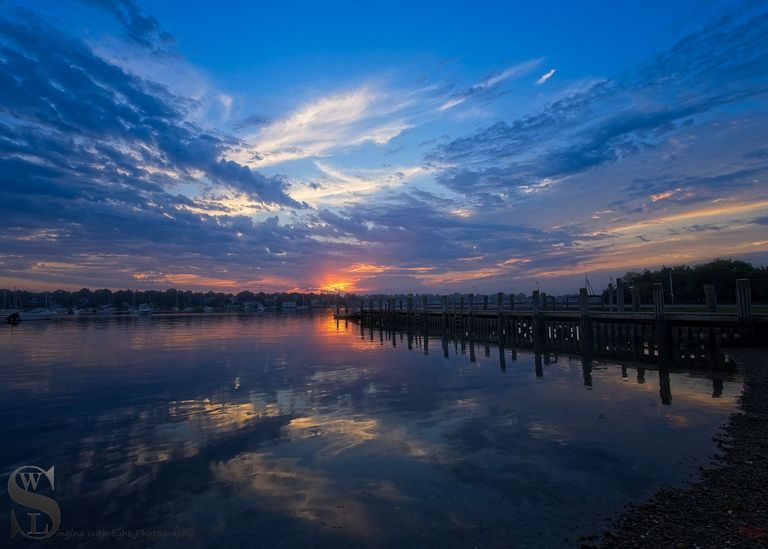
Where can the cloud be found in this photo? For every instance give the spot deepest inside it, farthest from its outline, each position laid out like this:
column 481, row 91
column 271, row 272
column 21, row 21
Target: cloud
column 331, row 123
column 226, row 104
column 606, row 121
column 488, row 85
column 253, row 120
column 128, row 124
column 441, row 243
column 544, row 77
column 337, row 186
column 140, row 28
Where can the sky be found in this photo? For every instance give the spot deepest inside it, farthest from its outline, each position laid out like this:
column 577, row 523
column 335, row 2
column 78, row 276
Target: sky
column 339, row 146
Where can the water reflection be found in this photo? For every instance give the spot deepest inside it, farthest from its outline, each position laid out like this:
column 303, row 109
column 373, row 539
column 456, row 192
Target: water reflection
column 299, row 430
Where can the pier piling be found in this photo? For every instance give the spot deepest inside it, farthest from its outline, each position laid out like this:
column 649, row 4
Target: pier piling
column 710, row 297
column 662, row 338
column 744, row 307
column 620, row 295
column 585, row 326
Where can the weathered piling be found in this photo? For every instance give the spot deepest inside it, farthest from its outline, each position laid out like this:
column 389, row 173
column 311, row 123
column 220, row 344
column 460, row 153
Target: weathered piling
column 585, row 326
column 744, row 307
column 471, row 313
column 620, row 295
column 710, row 297
column 409, row 315
column 610, row 296
column 586, row 371
column 635, row 298
column 665, row 387
column 662, row 338
column 538, row 322
column 500, row 315
column 444, row 306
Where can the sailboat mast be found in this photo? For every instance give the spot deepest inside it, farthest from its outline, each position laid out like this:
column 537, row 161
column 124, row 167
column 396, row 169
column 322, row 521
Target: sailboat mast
column 671, row 287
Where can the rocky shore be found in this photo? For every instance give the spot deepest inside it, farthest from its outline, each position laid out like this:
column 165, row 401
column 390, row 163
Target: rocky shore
column 728, row 505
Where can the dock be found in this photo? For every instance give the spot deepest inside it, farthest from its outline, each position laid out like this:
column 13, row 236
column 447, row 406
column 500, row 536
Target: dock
column 659, row 333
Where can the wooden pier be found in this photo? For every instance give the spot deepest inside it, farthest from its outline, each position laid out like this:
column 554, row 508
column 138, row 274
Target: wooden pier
column 660, row 333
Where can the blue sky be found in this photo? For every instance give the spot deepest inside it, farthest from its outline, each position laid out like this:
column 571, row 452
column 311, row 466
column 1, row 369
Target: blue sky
column 439, row 147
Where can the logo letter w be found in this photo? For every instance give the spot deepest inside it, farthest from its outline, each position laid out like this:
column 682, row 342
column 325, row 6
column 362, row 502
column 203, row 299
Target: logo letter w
column 28, row 479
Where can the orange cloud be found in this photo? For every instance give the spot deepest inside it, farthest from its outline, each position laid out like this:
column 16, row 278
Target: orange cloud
column 693, row 214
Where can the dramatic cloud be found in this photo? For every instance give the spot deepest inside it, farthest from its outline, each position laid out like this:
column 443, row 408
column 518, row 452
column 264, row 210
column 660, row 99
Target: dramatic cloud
column 94, row 159
column 719, row 67
column 111, row 175
column 333, row 122
column 56, row 91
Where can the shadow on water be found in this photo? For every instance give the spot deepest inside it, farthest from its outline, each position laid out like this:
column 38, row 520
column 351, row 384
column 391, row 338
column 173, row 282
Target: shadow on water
column 300, row 430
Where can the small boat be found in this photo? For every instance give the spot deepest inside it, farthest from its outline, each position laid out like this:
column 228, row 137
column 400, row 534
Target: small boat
column 143, row 309
column 37, row 314
column 40, row 313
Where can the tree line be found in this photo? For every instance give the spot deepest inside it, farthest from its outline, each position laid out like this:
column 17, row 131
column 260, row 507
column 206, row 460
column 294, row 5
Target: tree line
column 687, row 281
column 162, row 299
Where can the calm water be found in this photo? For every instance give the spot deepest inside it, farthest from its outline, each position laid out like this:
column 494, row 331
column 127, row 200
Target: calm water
column 288, row 431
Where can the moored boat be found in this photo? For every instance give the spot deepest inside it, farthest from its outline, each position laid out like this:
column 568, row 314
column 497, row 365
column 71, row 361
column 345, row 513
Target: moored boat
column 37, row 314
